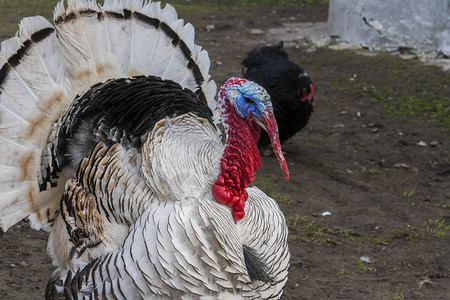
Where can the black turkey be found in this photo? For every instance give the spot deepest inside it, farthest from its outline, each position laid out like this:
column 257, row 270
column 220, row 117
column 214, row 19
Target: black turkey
column 289, row 86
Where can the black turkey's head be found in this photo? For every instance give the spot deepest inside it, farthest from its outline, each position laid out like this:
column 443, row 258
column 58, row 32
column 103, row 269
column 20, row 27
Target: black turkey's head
column 306, row 88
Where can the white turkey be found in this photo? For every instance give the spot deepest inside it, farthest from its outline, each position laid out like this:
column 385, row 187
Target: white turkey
column 108, row 140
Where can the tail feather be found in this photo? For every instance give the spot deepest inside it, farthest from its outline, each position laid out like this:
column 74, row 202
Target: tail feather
column 14, row 200
column 44, row 67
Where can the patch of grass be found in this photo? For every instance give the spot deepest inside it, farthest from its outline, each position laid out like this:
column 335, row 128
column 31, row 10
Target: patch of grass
column 203, row 7
column 409, row 194
column 305, row 229
column 371, row 171
column 299, row 279
column 294, row 238
column 364, row 267
column 407, row 88
column 308, row 229
column 11, row 12
column 342, row 273
column 400, row 233
column 397, row 295
column 435, row 228
column 421, row 108
column 266, row 185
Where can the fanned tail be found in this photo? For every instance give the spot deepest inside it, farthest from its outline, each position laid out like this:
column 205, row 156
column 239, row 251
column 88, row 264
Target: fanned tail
column 122, row 39
column 44, row 67
column 33, row 94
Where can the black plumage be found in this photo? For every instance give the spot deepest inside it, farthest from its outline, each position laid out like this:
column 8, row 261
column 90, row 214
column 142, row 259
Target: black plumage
column 289, row 86
column 123, row 110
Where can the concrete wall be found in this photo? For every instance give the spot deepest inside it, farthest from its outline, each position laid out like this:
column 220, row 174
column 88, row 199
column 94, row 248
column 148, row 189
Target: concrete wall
column 423, row 25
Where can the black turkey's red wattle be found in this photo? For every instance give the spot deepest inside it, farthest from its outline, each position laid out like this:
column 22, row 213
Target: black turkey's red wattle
column 305, row 95
column 238, row 165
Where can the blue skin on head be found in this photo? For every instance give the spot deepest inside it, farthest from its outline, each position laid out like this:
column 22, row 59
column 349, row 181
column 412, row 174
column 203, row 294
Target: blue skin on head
column 252, row 99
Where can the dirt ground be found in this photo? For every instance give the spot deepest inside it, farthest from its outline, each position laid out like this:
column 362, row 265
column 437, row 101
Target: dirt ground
column 372, row 156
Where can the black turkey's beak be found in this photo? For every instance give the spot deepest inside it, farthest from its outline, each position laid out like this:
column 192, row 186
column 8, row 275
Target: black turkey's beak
column 269, row 124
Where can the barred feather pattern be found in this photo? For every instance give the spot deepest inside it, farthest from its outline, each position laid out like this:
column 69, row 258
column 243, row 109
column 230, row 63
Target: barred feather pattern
column 107, row 140
column 46, row 66
column 189, row 245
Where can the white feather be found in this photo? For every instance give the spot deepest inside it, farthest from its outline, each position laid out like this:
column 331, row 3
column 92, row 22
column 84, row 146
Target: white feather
column 180, row 242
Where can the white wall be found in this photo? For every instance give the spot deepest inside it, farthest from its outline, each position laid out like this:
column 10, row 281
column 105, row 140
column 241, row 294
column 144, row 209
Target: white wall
column 389, row 24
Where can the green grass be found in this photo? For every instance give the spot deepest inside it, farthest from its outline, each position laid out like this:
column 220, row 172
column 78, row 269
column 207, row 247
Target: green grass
column 266, row 185
column 397, row 295
column 364, row 267
column 308, row 230
column 203, row 6
column 215, row 6
column 432, row 228
column 406, row 88
column 11, row 12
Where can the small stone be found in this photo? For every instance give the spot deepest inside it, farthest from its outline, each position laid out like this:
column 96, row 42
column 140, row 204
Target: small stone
column 407, row 56
column 359, row 114
column 210, row 28
column 434, row 144
column 326, row 213
column 219, row 63
column 366, row 259
column 256, row 31
column 344, row 46
column 422, row 144
column 23, row 264
column 402, row 166
column 339, row 126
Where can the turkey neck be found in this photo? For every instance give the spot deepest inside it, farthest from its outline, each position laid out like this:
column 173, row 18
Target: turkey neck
column 239, row 162
column 241, row 156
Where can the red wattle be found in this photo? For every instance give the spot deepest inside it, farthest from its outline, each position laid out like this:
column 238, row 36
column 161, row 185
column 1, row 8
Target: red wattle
column 239, row 163
column 240, row 205
column 234, row 201
column 311, row 94
column 238, row 214
column 221, row 193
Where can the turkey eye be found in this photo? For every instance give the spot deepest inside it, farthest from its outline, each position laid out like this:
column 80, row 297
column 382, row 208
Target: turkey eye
column 248, row 100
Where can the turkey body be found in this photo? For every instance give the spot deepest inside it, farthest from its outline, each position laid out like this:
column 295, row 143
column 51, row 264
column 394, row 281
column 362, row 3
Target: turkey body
column 289, row 86
column 157, row 230
column 109, row 142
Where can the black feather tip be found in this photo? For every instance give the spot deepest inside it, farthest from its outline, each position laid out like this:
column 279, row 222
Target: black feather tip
column 255, row 267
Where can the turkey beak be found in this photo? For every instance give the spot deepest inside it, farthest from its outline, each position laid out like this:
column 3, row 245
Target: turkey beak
column 269, row 124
